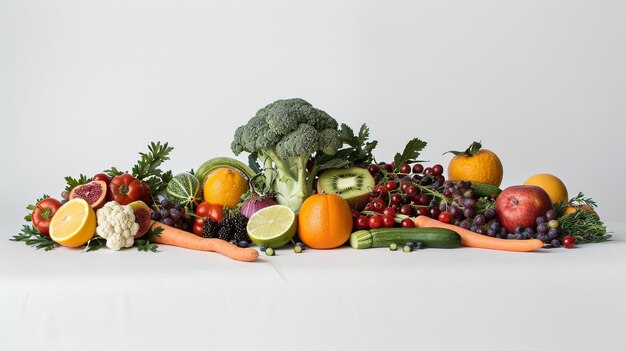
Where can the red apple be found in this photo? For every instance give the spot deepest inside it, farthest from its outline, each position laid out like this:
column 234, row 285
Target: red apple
column 520, row 205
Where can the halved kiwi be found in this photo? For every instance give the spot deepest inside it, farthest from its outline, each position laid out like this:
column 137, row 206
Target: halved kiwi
column 352, row 184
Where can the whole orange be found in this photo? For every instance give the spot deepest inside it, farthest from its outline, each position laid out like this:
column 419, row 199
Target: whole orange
column 476, row 165
column 551, row 184
column 224, row 186
column 324, row 221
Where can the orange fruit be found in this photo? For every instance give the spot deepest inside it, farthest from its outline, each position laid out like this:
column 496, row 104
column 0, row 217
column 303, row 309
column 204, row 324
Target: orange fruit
column 324, row 221
column 572, row 209
column 74, row 224
column 224, row 186
column 476, row 165
column 551, row 184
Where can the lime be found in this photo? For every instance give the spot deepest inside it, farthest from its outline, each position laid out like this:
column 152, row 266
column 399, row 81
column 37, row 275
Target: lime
column 273, row 226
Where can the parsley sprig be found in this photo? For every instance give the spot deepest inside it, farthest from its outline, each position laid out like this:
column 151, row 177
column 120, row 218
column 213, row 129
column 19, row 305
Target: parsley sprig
column 32, row 237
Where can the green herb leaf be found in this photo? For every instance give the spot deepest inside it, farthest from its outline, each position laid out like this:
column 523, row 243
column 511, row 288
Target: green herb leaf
column 96, row 243
column 145, row 245
column 113, row 172
column 360, row 150
column 410, row 154
column 32, row 237
column 147, row 168
column 73, row 182
column 470, row 151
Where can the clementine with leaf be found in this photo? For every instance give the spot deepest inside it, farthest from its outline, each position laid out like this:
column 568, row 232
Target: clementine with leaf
column 476, row 165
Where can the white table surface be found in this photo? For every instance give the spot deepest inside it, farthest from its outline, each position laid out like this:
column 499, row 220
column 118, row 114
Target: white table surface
column 345, row 299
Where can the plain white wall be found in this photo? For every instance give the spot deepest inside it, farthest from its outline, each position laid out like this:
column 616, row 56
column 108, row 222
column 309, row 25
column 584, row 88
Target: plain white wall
column 85, row 85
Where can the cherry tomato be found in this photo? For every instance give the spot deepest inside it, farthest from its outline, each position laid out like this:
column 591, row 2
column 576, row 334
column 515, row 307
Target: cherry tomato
column 568, row 242
column 209, row 210
column 378, row 205
column 423, row 211
column 355, row 214
column 375, row 221
column 42, row 214
column 407, row 223
column 103, row 177
column 362, row 222
column 388, row 221
column 391, row 185
column 445, row 217
column 198, row 229
column 380, row 190
column 405, row 168
column 389, row 211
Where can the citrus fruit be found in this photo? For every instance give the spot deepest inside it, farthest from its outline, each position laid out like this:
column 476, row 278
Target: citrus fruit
column 273, row 226
column 73, row 224
column 476, row 165
column 224, row 186
column 551, row 184
column 324, row 221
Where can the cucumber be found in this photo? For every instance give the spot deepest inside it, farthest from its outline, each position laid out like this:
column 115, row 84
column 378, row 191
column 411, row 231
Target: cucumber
column 219, row 162
column 383, row 237
column 487, row 190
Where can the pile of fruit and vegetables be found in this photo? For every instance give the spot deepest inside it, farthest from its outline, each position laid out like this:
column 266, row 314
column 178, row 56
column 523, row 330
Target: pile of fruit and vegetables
column 311, row 182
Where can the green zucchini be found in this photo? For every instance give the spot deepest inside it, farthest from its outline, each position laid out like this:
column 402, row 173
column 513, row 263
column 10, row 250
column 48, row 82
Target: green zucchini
column 219, row 162
column 488, row 190
column 383, row 237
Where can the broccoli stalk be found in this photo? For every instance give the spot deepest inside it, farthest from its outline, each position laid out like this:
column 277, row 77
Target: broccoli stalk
column 285, row 135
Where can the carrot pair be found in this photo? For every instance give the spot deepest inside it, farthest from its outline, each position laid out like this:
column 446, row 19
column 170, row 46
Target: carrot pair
column 176, row 237
column 471, row 239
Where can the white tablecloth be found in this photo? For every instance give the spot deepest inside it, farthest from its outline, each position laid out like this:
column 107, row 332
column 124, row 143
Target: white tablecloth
column 345, row 299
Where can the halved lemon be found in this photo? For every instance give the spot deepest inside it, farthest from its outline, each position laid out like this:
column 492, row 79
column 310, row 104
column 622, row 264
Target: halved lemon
column 73, row 224
column 273, row 226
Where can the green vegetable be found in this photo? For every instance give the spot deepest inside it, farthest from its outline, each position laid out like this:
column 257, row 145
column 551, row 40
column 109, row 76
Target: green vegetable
column 73, row 182
column 488, row 190
column 410, row 153
column 32, row 237
column 583, row 225
column 219, row 162
column 285, row 135
column 384, row 237
column 393, row 246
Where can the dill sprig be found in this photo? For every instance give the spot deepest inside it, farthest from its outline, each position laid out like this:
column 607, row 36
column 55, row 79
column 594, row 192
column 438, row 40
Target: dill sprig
column 583, row 224
column 32, row 237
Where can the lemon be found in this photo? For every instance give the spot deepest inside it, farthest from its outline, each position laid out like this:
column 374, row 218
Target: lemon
column 551, row 184
column 73, row 224
column 273, row 226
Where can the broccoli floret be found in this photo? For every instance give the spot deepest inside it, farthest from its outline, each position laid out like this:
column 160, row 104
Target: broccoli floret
column 284, row 135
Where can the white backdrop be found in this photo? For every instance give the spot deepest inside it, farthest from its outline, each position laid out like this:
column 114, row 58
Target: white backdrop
column 85, row 85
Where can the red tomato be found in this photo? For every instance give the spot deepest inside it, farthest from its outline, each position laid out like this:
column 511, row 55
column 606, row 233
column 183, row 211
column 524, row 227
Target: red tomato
column 209, row 210
column 569, row 242
column 42, row 214
column 125, row 189
column 445, row 217
column 198, row 229
column 407, row 223
column 388, row 221
column 375, row 221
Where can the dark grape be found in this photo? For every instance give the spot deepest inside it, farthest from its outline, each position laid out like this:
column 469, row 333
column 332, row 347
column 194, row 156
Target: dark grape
column 465, row 224
column 434, row 212
column 479, row 220
column 481, row 230
column 168, row 221
column 517, row 236
column 503, row 232
column 65, row 195
column 543, row 237
column 473, row 227
column 510, row 236
column 555, row 243
column 373, row 168
column 165, row 213
column 461, row 184
column 542, row 228
column 155, row 215
column 175, row 214
column 443, row 206
column 554, row 233
column 165, row 202
column 411, row 191
column 518, row 230
column 418, row 168
column 468, row 194
column 550, row 215
column 491, row 232
column 490, row 214
column 455, row 211
column 468, row 212
column 469, row 203
column 540, row 219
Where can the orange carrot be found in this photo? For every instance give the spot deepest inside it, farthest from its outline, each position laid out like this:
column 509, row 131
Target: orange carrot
column 176, row 237
column 471, row 239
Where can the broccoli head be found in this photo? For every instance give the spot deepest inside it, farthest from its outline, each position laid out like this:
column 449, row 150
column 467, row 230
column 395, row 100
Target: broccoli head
column 284, row 135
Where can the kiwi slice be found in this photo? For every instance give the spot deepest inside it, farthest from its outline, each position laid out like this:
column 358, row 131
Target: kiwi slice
column 352, row 184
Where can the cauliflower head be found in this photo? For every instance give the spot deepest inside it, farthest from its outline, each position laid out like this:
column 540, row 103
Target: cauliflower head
column 116, row 223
